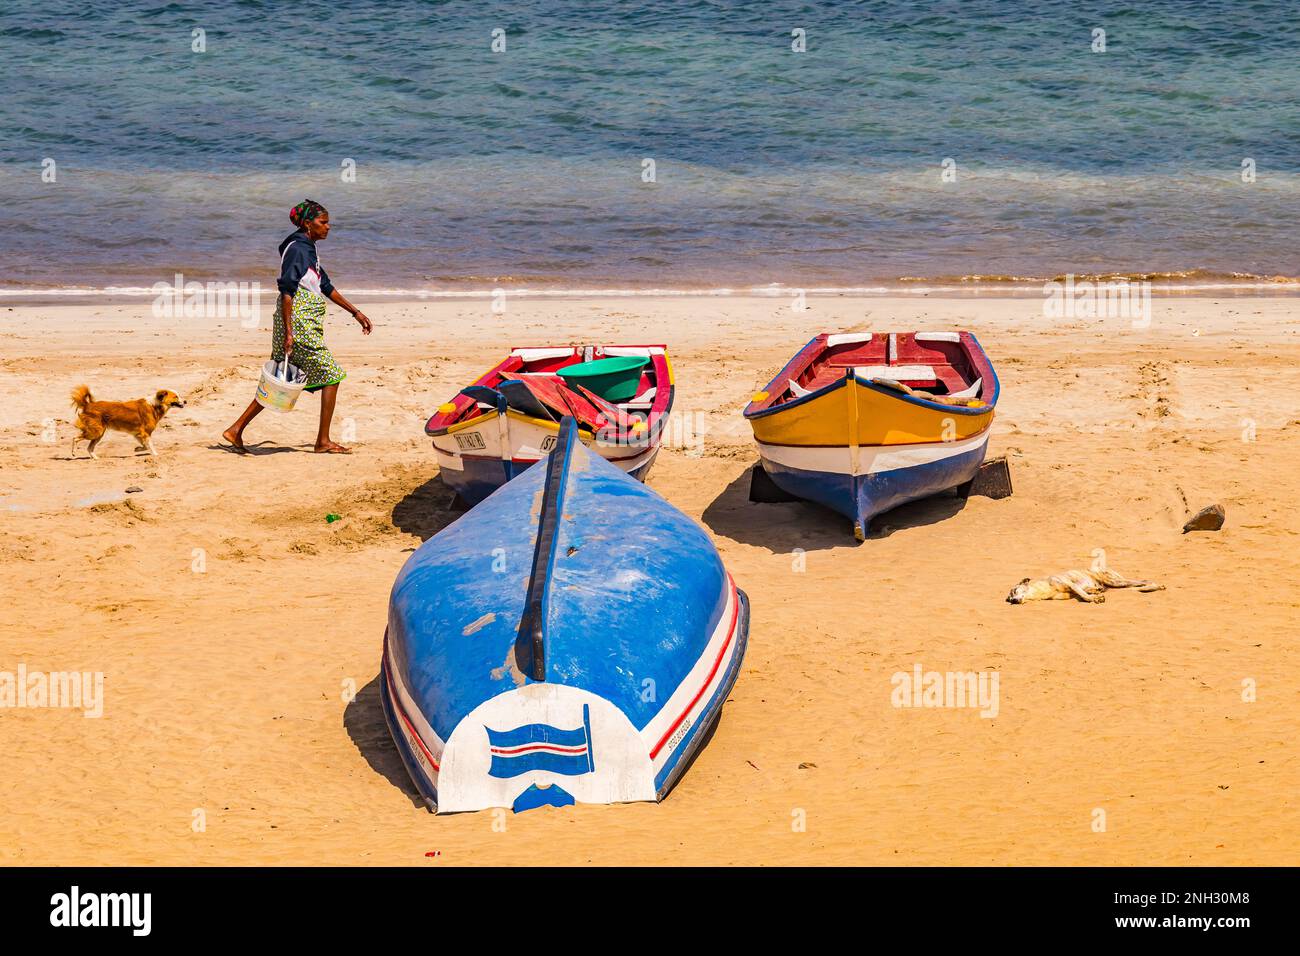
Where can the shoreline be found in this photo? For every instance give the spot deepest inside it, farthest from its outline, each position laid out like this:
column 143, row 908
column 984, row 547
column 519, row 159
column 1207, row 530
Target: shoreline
column 125, row 295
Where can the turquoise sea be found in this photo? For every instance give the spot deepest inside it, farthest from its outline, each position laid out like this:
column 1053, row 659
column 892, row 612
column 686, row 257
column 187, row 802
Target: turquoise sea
column 1174, row 151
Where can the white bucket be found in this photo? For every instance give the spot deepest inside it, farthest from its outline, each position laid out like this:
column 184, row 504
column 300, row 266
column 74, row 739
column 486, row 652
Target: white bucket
column 280, row 386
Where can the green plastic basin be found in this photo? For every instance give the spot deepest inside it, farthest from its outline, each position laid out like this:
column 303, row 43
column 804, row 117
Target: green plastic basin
column 613, row 379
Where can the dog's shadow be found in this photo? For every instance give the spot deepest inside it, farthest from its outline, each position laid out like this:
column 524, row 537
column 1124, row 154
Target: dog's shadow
column 102, row 457
column 364, row 721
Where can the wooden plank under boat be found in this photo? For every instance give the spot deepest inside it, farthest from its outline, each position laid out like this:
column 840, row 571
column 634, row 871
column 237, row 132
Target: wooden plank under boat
column 572, row 638
column 862, row 422
column 508, row 418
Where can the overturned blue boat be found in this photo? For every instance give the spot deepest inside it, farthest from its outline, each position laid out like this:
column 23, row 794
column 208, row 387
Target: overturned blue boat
column 572, row 638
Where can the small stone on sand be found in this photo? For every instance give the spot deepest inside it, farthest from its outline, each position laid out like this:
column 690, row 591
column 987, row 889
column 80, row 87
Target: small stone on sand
column 1207, row 519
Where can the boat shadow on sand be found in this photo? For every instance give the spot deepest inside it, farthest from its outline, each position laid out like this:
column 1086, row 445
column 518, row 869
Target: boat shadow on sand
column 427, row 509
column 423, row 512
column 363, row 718
column 782, row 527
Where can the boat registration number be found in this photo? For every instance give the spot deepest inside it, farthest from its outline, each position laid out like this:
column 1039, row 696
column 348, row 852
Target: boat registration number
column 467, row 441
column 548, row 444
column 418, row 752
column 679, row 736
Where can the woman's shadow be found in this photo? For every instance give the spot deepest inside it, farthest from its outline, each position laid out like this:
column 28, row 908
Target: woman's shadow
column 258, row 448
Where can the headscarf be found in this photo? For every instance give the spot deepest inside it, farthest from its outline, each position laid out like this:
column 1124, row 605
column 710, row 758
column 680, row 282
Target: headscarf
column 305, row 211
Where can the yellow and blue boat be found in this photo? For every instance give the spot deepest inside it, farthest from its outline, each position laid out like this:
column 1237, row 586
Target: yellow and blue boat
column 862, row 422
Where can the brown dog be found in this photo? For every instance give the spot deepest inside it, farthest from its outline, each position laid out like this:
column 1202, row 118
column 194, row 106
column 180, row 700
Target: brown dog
column 138, row 418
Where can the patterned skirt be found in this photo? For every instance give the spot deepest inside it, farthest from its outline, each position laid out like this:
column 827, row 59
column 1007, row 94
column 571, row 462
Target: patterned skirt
column 309, row 351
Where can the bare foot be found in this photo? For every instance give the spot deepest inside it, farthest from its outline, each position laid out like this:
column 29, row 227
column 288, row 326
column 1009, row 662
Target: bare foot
column 332, row 448
column 235, row 438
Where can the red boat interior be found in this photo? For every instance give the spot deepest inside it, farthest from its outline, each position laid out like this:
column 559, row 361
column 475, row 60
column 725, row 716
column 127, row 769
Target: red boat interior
column 527, row 383
column 940, row 363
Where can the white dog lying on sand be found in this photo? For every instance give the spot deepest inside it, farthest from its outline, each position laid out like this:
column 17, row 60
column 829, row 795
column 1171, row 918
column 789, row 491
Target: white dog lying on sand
column 1087, row 586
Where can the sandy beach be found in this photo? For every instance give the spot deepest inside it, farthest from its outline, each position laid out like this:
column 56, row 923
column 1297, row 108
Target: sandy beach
column 231, row 620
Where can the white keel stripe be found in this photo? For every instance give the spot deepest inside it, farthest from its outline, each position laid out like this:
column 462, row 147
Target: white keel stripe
column 873, row 459
column 407, row 705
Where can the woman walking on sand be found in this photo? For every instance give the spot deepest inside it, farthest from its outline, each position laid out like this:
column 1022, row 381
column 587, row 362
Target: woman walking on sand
column 299, row 327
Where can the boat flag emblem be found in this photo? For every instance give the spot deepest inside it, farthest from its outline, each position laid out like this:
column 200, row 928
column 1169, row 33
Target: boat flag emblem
column 542, row 747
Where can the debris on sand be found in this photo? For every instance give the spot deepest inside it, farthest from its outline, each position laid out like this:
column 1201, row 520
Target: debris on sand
column 1210, row 518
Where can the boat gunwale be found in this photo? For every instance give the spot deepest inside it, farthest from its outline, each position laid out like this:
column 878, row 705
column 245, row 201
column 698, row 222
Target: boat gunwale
column 751, row 412
column 693, row 744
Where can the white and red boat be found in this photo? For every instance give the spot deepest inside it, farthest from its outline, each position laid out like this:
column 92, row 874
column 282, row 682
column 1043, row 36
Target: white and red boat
column 509, row 418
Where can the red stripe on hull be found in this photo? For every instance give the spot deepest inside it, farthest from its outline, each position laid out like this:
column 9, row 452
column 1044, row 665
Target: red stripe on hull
column 735, row 614
column 529, row 748
column 397, row 709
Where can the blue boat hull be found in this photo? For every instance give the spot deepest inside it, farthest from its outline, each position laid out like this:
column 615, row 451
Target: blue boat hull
column 863, row 497
column 572, row 638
